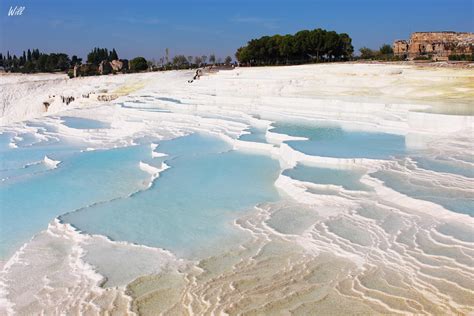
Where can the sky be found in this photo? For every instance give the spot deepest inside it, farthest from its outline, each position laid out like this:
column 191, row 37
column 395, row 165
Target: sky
column 147, row 28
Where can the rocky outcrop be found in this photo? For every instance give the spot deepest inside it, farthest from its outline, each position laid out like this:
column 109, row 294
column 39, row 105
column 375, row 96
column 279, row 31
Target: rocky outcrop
column 119, row 64
column 438, row 45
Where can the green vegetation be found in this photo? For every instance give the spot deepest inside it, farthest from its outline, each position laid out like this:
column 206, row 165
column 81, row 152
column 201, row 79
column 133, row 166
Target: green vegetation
column 423, row 57
column 367, row 53
column 186, row 62
column 138, row 64
column 180, row 61
column 386, row 49
column 100, row 61
column 99, row 54
column 303, row 47
column 34, row 61
column 462, row 57
column 385, row 52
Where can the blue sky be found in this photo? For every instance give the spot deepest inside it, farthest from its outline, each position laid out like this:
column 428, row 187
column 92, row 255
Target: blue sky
column 146, row 28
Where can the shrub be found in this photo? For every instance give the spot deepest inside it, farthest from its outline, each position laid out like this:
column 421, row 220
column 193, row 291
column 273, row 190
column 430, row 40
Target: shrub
column 422, row 58
column 462, row 57
column 138, row 64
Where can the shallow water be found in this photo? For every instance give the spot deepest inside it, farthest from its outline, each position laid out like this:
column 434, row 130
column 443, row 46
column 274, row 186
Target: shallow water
column 192, row 203
column 444, row 165
column 30, row 203
column 256, row 135
column 348, row 179
column 83, row 123
column 33, row 151
column 345, row 251
column 333, row 141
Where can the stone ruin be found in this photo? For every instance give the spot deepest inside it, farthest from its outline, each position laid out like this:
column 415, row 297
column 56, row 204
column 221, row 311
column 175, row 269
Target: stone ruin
column 437, row 45
column 118, row 65
column 104, row 68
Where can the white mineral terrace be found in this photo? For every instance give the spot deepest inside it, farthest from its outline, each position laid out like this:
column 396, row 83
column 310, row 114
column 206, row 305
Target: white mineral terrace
column 365, row 229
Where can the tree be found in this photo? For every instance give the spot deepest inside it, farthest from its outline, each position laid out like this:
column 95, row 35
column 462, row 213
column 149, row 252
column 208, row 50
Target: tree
column 179, row 61
column 138, row 64
column 63, row 62
column 303, row 46
column 30, row 67
column 113, row 55
column 97, row 55
column 212, row 58
column 190, row 59
column 28, row 55
column 51, row 62
column 228, row 60
column 198, row 61
column 386, row 50
column 149, row 64
column 35, row 55
column 347, row 48
column 41, row 64
column 204, row 58
column 366, row 53
column 75, row 60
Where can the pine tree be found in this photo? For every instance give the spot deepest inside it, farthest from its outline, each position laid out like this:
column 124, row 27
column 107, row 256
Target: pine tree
column 23, row 59
column 28, row 56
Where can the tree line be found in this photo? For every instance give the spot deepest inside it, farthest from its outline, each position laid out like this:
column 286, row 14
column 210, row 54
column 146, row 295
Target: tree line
column 305, row 46
column 35, row 61
column 32, row 61
column 100, row 54
column 183, row 62
column 385, row 52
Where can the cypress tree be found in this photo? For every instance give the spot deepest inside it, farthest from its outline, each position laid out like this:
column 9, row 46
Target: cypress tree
column 113, row 55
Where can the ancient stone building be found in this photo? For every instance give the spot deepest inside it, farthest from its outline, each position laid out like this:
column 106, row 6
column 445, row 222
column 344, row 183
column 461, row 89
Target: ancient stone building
column 438, row 45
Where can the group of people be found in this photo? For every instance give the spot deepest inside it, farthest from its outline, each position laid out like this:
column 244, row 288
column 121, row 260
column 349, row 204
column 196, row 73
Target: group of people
column 67, row 100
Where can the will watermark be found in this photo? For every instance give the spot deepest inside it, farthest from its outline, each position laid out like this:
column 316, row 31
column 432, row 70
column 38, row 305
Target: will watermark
column 16, row 10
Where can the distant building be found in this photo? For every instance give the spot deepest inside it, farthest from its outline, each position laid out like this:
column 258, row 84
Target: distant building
column 438, row 45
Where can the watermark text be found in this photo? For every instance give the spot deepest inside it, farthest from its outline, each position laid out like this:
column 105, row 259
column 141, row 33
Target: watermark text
column 16, row 10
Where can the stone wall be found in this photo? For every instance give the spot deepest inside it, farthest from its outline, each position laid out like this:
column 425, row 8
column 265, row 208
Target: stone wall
column 439, row 45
